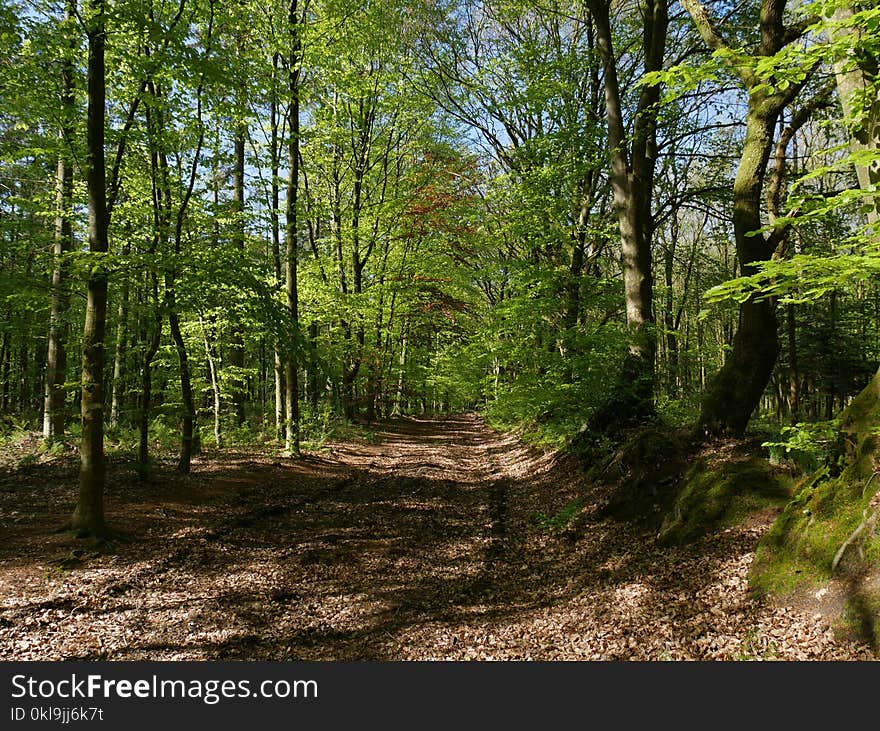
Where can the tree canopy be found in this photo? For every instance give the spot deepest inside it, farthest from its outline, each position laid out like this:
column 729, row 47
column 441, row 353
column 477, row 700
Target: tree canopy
column 574, row 217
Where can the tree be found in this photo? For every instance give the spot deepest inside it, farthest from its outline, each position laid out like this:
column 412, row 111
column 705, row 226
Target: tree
column 855, row 81
column 88, row 517
column 54, row 412
column 296, row 19
column 737, row 388
column 632, row 180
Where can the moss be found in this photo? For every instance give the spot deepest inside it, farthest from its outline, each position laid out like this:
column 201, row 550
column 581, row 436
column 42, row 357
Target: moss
column 802, row 544
column 647, row 471
column 863, row 412
column 722, row 492
column 666, row 480
column 872, row 550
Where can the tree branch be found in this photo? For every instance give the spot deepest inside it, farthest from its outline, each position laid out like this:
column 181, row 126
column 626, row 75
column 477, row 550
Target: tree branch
column 706, row 28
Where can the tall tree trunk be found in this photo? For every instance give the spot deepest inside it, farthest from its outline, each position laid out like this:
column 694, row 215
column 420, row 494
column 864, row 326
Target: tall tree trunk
column 189, row 437
column 314, row 385
column 188, row 431
column 632, row 182
column 236, row 340
column 280, row 426
column 5, row 368
column 54, row 411
column 401, row 370
column 151, row 339
column 794, row 397
column 345, row 391
column 669, row 323
column 215, row 382
column 736, row 390
column 291, row 253
column 88, row 516
column 23, row 380
column 189, row 442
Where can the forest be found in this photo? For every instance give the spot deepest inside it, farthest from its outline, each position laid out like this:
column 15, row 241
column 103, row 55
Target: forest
column 439, row 329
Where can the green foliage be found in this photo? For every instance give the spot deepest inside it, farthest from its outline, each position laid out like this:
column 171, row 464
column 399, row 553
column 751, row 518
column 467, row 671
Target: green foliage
column 456, row 239
column 810, row 445
column 561, row 519
column 678, row 413
column 319, row 425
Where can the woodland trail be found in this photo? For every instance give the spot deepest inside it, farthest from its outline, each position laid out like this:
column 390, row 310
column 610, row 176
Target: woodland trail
column 433, row 540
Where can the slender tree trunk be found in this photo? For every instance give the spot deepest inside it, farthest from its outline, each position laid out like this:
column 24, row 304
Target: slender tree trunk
column 188, row 432
column 572, row 310
column 236, row 340
column 794, row 396
column 189, row 438
column 5, row 368
column 314, row 386
column 401, row 370
column 151, row 347
column 280, row 425
column 54, row 411
column 280, row 395
column 291, row 253
column 151, row 337
column 189, row 443
column 119, row 360
column 669, row 323
column 215, row 383
column 632, row 182
column 88, row 517
column 212, row 329
column 345, row 390
column 23, row 367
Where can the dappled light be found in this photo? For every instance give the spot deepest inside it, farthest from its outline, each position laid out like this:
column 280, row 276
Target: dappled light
column 430, row 541
column 474, row 329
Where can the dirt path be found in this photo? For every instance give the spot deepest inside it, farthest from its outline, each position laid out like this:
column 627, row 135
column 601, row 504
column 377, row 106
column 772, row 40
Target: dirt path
column 436, row 541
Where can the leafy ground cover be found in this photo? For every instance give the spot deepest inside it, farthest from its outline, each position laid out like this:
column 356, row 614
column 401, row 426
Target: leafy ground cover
column 434, row 539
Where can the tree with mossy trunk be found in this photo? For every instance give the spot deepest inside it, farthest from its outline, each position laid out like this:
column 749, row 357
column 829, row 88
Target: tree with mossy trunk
column 736, row 390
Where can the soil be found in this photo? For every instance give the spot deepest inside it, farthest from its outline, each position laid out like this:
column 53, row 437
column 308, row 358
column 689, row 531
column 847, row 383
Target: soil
column 434, row 539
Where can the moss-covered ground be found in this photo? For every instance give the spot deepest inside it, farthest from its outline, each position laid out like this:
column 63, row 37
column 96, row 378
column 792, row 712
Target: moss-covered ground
column 828, row 532
column 719, row 491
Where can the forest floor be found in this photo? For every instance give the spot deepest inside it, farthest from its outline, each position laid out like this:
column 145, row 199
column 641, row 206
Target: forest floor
column 432, row 539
